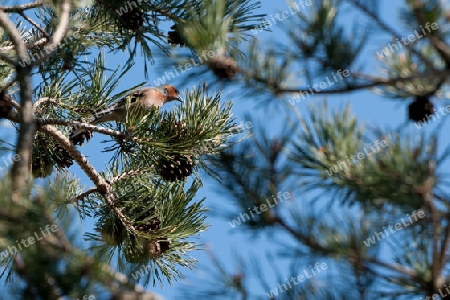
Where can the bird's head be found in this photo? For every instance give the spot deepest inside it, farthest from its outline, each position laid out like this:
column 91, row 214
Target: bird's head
column 171, row 93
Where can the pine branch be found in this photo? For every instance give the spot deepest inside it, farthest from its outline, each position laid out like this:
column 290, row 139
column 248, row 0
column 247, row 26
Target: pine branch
column 43, row 100
column 8, row 85
column 32, row 22
column 103, row 187
column 90, row 171
column 129, row 174
column 15, row 38
column 83, row 195
column 441, row 47
column 24, row 144
column 62, row 243
column 83, row 125
column 306, row 240
column 22, row 7
column 58, row 34
column 376, row 82
column 384, row 26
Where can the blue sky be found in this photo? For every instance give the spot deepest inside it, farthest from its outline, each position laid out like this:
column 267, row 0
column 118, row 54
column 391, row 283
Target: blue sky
column 367, row 106
column 223, row 240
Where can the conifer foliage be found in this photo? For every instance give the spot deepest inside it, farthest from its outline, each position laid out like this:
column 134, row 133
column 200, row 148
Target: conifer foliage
column 140, row 187
column 329, row 190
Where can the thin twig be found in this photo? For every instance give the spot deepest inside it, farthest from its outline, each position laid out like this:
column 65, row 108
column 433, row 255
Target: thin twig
column 397, row 267
column 32, row 22
column 445, row 244
column 83, row 125
column 376, row 81
column 83, row 195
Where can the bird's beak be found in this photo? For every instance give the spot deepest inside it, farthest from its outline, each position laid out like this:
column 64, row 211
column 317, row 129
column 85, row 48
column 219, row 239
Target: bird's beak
column 178, row 98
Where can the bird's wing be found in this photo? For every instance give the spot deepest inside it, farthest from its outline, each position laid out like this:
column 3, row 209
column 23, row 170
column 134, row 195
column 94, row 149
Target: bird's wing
column 133, row 96
column 117, row 107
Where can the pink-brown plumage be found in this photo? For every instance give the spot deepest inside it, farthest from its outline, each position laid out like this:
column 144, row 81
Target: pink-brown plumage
column 148, row 97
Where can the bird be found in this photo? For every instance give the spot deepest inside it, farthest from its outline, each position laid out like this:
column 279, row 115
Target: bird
column 147, row 97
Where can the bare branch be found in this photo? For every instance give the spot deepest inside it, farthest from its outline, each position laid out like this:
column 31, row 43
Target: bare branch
column 83, row 125
column 83, row 195
column 55, row 39
column 21, row 7
column 102, row 185
column 21, row 168
column 13, row 103
column 32, row 22
column 16, row 39
column 375, row 83
column 76, row 155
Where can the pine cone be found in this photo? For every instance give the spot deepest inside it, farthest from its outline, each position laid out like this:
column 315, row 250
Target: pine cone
column 134, row 251
column 80, row 138
column 5, row 106
column 41, row 166
column 62, row 157
column 177, row 168
column 139, row 250
column 157, row 248
column 46, row 153
column 132, row 20
column 223, row 67
column 177, row 131
column 154, row 223
column 420, row 108
column 174, row 37
column 67, row 65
